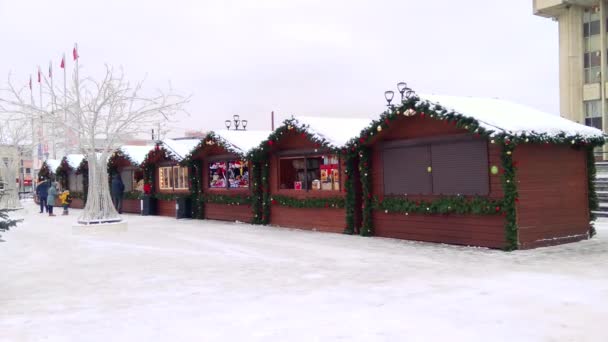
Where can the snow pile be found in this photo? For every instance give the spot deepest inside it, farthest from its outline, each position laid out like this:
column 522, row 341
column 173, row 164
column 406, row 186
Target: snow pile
column 181, row 147
column 53, row 164
column 136, row 153
column 335, row 130
column 74, row 160
column 243, row 141
column 515, row 119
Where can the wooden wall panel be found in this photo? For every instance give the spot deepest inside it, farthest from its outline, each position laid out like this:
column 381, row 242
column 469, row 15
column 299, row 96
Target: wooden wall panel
column 484, row 231
column 132, row 206
column 326, row 220
column 553, row 202
column 165, row 208
column 224, row 212
column 77, row 203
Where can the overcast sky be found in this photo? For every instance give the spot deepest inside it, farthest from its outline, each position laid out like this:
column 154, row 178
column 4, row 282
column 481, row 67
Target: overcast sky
column 313, row 57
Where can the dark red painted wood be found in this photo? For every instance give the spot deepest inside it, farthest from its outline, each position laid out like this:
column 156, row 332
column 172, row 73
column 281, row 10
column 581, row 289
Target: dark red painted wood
column 553, row 202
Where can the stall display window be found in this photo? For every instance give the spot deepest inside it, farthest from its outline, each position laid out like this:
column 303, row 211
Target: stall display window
column 181, row 177
column 231, row 174
column 173, row 178
column 165, row 178
column 314, row 173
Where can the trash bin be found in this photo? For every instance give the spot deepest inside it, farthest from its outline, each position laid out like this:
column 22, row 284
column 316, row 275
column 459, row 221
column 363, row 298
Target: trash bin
column 184, row 207
column 148, row 205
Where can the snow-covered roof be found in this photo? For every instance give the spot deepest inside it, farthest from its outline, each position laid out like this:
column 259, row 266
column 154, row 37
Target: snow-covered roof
column 336, row 130
column 243, row 141
column 74, row 160
column 53, row 164
column 503, row 116
column 136, row 153
column 181, row 147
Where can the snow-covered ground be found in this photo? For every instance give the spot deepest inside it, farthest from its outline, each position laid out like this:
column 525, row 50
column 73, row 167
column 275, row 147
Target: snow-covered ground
column 169, row 280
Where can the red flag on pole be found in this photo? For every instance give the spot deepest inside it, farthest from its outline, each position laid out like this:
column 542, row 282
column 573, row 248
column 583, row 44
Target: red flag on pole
column 75, row 52
column 39, row 76
column 62, row 62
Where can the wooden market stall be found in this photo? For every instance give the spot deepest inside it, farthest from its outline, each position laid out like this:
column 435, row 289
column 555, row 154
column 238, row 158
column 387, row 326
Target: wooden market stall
column 223, row 175
column 303, row 173
column 126, row 162
column 72, row 180
column 479, row 172
column 166, row 181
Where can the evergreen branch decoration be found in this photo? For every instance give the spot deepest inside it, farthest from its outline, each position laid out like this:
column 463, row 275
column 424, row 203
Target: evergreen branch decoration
column 227, row 199
column 349, row 187
column 315, row 203
column 366, row 192
column 592, row 201
column 61, row 174
column 460, row 205
column 510, row 201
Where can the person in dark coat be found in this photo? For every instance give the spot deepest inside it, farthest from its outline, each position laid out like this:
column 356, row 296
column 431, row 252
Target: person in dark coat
column 42, row 191
column 117, row 190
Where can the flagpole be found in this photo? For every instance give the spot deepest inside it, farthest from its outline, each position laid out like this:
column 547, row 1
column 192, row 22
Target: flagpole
column 41, row 109
column 77, row 90
column 53, row 107
column 34, row 145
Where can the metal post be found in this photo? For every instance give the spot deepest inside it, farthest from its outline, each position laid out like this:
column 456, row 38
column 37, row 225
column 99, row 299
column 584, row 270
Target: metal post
column 603, row 67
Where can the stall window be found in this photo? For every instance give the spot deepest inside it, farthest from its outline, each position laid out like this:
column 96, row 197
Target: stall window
column 315, row 173
column 229, row 174
column 173, row 178
column 180, row 177
column 443, row 168
column 165, row 178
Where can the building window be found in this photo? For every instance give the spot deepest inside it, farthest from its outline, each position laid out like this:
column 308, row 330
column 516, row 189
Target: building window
column 173, row 178
column 442, row 168
column 593, row 113
column 317, row 172
column 28, row 170
column 592, row 56
column 230, row 174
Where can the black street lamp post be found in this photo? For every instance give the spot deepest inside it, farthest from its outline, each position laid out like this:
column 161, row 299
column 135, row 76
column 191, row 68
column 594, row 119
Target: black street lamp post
column 237, row 123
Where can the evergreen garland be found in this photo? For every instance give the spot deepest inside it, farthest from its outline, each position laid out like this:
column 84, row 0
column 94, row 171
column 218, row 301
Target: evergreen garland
column 316, row 203
column 593, row 201
column 83, row 169
column 257, row 192
column 265, row 174
column 349, row 186
column 509, row 185
column 366, row 192
column 133, row 195
column 194, row 167
column 61, row 174
column 445, row 205
column 45, row 172
column 149, row 165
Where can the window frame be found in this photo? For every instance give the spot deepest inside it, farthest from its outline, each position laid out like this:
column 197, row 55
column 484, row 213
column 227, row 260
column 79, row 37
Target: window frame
column 175, row 174
column 429, row 142
column 227, row 159
column 308, row 154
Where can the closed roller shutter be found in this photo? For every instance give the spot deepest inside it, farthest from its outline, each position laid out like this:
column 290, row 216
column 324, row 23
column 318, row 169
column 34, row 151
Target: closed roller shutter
column 405, row 170
column 460, row 168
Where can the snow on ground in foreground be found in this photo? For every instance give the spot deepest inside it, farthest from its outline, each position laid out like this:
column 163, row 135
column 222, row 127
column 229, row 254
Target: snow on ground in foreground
column 168, row 280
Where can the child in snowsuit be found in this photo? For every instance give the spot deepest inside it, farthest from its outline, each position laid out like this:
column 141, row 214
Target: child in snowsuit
column 65, row 199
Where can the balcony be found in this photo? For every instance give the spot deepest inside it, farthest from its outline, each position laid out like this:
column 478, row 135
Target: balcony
column 552, row 8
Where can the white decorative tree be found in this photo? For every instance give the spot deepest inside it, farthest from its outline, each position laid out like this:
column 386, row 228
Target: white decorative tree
column 103, row 114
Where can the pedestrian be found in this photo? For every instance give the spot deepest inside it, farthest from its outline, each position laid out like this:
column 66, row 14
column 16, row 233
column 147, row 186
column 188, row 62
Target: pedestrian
column 118, row 189
column 50, row 200
column 42, row 192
